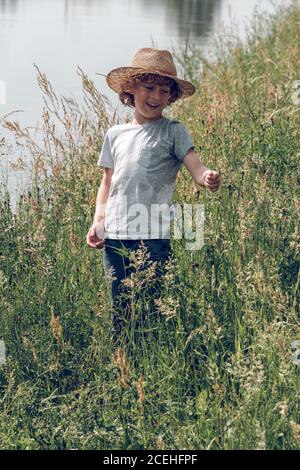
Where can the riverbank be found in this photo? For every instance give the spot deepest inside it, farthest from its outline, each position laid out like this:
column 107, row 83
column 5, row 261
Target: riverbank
column 220, row 369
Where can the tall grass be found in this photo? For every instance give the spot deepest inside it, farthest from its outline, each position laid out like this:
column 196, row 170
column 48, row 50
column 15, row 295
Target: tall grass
column 215, row 370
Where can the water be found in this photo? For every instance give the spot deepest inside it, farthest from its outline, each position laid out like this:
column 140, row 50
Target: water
column 97, row 35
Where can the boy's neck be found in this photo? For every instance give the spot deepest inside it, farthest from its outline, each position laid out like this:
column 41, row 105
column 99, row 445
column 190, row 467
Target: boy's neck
column 144, row 120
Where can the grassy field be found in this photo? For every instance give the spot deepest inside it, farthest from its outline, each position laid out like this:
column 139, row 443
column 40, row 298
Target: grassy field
column 218, row 370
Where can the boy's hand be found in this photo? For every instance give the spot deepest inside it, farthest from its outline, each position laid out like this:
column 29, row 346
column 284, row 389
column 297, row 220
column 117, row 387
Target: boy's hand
column 211, row 180
column 94, row 236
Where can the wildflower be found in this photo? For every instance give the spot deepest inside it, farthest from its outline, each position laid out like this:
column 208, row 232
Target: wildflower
column 192, row 335
column 169, row 272
column 110, row 275
column 167, row 306
column 141, row 278
column 254, row 376
column 282, row 408
column 139, row 257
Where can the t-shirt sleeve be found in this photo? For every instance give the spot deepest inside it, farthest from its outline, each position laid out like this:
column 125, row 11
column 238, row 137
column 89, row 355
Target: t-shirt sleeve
column 106, row 157
column 181, row 141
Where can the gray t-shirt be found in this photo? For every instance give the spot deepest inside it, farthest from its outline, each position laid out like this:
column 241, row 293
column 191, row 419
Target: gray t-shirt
column 146, row 159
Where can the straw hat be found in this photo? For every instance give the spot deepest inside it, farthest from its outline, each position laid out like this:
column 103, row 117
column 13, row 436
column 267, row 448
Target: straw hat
column 148, row 60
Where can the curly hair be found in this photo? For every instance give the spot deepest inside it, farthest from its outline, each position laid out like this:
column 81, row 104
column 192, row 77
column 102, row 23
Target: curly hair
column 128, row 98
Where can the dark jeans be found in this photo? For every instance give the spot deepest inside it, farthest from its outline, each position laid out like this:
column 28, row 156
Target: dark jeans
column 159, row 249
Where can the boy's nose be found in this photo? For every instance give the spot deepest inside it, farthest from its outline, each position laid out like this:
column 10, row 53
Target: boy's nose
column 155, row 95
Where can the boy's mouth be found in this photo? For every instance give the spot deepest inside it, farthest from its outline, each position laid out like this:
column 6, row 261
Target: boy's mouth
column 153, row 106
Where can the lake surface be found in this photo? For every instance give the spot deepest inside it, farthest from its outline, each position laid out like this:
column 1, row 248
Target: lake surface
column 97, row 35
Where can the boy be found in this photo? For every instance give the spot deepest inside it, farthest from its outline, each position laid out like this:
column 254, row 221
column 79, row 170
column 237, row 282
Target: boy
column 141, row 160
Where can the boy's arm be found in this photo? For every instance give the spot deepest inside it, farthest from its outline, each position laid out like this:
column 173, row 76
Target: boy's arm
column 102, row 195
column 195, row 167
column 201, row 175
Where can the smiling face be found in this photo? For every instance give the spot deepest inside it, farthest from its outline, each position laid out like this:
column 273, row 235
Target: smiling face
column 150, row 99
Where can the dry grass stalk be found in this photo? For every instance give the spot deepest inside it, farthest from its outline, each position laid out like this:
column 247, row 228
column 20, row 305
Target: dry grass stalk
column 56, row 328
column 140, row 389
column 123, row 365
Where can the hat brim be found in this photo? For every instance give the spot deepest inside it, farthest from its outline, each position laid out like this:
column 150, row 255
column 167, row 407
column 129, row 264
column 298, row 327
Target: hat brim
column 117, row 77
